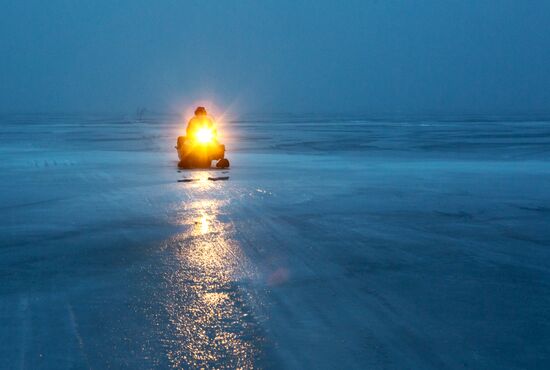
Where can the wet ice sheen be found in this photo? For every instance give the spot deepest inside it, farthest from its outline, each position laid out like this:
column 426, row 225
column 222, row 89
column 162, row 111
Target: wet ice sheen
column 336, row 243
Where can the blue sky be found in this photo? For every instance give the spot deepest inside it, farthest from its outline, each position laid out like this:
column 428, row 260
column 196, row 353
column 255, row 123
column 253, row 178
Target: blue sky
column 360, row 57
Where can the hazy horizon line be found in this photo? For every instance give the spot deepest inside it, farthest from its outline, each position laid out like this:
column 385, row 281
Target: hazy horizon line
column 467, row 116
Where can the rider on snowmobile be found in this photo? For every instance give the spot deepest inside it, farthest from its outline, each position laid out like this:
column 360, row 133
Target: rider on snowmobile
column 200, row 147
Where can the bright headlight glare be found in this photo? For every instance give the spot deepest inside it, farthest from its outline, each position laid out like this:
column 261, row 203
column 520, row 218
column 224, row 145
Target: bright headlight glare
column 204, row 135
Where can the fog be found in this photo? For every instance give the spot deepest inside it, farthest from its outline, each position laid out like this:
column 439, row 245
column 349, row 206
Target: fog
column 364, row 57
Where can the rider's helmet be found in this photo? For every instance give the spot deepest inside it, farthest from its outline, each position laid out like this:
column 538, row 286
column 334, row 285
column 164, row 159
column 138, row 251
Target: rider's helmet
column 200, row 111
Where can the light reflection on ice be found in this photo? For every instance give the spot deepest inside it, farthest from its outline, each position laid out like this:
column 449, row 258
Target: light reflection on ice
column 206, row 307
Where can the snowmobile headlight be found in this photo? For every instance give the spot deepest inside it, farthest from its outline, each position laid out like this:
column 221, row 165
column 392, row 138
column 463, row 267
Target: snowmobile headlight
column 204, row 135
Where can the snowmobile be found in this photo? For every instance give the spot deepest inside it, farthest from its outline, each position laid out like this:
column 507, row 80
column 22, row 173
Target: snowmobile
column 200, row 150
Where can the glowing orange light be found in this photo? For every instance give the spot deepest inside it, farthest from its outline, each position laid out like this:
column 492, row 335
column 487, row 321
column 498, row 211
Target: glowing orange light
column 204, row 135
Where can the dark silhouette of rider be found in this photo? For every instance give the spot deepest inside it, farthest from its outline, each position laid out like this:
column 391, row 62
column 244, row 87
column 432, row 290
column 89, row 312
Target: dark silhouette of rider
column 200, row 120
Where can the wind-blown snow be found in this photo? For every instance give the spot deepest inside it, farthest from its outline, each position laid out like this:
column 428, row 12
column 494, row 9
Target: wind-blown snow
column 335, row 243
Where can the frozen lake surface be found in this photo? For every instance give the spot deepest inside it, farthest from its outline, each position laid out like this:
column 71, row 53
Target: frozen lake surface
column 336, row 243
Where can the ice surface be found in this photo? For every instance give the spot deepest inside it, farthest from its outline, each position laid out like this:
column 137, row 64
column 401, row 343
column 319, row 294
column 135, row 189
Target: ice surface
column 336, row 243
